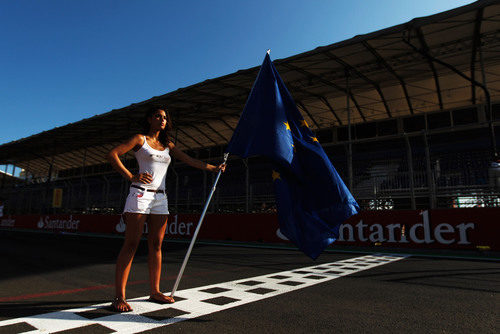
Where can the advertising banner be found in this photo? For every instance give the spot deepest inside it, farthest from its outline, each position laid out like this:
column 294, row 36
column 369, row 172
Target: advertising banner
column 441, row 228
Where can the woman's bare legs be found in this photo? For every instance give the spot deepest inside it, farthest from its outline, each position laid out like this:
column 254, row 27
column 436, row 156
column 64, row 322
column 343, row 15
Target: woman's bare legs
column 156, row 231
column 133, row 234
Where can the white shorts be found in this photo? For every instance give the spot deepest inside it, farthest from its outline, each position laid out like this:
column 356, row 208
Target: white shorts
column 146, row 202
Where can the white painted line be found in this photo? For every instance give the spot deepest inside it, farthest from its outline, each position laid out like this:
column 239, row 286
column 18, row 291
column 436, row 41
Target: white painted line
column 200, row 301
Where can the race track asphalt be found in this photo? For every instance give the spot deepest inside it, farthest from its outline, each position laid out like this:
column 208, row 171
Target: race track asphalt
column 44, row 273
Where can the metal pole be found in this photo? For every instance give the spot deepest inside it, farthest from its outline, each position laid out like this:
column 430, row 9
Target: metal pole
column 186, row 258
column 26, row 175
column 66, row 199
column 250, row 198
column 430, row 176
column 410, row 173
column 87, row 193
column 13, row 176
column 489, row 110
column 4, row 176
column 349, row 135
column 13, row 209
column 47, row 203
column 82, row 174
column 69, row 195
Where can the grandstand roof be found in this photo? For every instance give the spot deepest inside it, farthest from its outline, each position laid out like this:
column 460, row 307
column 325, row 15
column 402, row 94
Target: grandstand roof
column 387, row 72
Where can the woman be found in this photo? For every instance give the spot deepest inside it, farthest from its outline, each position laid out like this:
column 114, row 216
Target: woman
column 147, row 200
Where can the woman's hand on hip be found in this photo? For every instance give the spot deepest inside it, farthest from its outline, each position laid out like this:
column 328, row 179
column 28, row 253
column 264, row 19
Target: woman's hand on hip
column 142, row 178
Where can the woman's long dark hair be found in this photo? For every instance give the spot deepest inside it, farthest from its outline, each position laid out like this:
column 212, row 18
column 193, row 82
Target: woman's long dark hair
column 164, row 136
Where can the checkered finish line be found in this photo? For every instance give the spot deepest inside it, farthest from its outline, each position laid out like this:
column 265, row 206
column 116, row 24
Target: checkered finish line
column 190, row 303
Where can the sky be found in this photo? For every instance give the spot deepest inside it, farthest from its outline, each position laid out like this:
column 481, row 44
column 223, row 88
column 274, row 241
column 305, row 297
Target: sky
column 65, row 60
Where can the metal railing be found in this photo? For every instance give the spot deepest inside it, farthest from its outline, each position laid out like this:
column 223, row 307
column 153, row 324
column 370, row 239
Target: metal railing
column 460, row 179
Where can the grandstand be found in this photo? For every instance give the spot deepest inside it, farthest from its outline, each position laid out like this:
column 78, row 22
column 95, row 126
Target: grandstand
column 409, row 116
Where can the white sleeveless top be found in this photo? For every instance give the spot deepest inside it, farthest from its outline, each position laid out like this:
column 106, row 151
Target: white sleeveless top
column 154, row 162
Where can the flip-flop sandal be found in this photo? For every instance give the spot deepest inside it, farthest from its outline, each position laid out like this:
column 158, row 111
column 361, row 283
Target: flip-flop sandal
column 116, row 302
column 171, row 300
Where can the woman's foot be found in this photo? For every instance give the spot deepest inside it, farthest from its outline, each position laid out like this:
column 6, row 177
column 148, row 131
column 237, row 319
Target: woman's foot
column 160, row 298
column 120, row 305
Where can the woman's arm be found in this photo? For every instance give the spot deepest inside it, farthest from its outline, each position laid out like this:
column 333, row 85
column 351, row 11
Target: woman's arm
column 178, row 154
column 113, row 158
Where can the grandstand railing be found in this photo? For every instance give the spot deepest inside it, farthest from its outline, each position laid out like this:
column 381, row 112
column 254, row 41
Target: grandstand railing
column 383, row 187
column 448, row 169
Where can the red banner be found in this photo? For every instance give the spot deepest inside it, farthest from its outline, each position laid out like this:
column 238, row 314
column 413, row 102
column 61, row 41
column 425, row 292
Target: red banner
column 446, row 228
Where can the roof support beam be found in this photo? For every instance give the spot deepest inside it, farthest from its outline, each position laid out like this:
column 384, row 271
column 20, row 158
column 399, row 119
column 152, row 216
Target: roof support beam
column 101, row 159
column 352, row 69
column 303, row 107
column 326, row 82
column 96, row 156
column 486, row 93
column 191, row 137
column 213, row 95
column 100, row 149
column 204, row 135
column 171, row 99
column 195, row 109
column 221, row 99
column 40, row 157
column 65, row 162
column 317, row 96
column 227, row 124
column 425, row 49
column 325, row 101
column 216, row 132
column 246, row 90
column 38, row 168
column 476, row 42
column 358, row 108
column 77, row 158
column 185, row 145
column 389, row 68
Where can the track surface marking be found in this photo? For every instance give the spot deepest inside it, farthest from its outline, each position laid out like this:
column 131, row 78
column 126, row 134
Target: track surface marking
column 192, row 303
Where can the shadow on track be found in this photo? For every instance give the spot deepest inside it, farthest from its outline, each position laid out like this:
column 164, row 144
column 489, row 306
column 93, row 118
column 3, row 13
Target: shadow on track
column 14, row 310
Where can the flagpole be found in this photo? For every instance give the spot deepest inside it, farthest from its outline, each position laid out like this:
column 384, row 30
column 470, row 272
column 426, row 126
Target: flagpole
column 186, row 258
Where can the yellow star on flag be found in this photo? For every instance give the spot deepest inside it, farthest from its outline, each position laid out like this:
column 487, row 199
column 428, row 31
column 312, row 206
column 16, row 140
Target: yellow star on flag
column 287, row 126
column 304, row 123
column 276, row 175
column 315, row 139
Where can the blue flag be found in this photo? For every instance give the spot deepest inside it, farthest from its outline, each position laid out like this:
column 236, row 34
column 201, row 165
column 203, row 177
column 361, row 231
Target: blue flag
column 311, row 198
